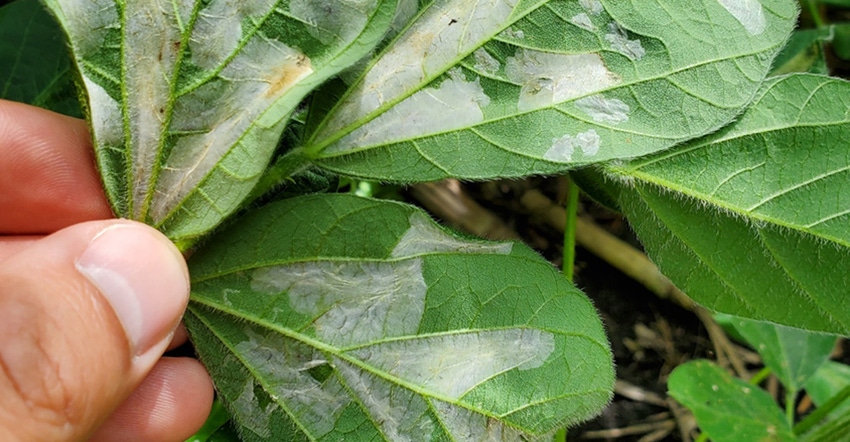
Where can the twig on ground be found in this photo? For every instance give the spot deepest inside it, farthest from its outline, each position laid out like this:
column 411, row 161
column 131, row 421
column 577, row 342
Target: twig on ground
column 684, row 419
column 447, row 200
column 636, row 393
column 631, row 430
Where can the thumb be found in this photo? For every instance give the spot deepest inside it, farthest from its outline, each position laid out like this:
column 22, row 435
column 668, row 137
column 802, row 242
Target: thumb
column 85, row 313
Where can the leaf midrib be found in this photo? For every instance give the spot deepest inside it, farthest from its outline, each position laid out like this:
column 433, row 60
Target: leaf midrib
column 341, row 353
column 317, row 150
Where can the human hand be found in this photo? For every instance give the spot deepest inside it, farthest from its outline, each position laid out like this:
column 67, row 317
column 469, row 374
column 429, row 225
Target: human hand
column 87, row 311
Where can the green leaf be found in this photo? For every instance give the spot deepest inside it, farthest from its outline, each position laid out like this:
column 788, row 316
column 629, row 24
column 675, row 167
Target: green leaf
column 792, row 354
column 361, row 319
column 755, row 220
column 507, row 88
column 35, row 67
column 727, row 408
column 804, row 52
column 831, row 378
column 188, row 98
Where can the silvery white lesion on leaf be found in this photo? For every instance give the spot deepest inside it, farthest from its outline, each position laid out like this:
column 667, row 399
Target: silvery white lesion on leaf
column 399, row 413
column 281, row 366
column 86, row 22
column 620, row 42
column 150, row 60
column 445, row 33
column 563, row 148
column 451, row 364
column 333, row 20
column 468, row 426
column 260, row 74
column 104, row 115
column 593, row 6
column 484, row 62
column 456, row 103
column 424, row 236
column 250, row 414
column 583, row 21
column 218, row 29
column 750, row 13
column 550, row 78
column 353, row 302
column 604, row 110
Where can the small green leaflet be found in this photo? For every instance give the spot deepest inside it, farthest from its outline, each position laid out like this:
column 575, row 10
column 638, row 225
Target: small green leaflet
column 499, row 88
column 727, row 408
column 333, row 317
column 792, row 354
column 755, row 220
column 188, row 98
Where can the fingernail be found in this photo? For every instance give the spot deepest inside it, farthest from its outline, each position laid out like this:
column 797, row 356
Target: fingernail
column 144, row 278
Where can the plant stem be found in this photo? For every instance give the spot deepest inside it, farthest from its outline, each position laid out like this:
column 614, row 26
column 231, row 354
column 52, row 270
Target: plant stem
column 570, row 230
column 790, row 397
column 702, row 437
column 760, row 376
column 569, row 256
column 816, row 416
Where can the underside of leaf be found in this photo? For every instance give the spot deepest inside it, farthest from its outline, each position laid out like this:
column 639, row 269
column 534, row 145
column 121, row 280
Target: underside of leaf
column 416, row 334
column 507, row 88
column 754, row 220
column 187, row 98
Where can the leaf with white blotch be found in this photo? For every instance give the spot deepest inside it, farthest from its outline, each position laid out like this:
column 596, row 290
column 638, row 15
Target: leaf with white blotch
column 755, row 220
column 481, row 89
column 792, row 354
column 188, row 98
column 333, row 317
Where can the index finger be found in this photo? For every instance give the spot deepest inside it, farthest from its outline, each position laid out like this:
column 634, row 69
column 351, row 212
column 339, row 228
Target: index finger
column 48, row 176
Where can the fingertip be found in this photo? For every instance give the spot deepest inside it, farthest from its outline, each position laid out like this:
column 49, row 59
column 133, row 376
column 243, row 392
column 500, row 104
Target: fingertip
column 170, row 405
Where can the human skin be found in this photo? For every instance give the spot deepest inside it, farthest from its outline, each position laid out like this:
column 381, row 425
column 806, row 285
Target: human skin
column 77, row 359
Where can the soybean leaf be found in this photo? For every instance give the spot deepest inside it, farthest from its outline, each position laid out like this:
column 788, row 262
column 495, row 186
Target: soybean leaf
column 507, row 87
column 188, row 98
column 727, row 408
column 831, row 378
column 792, row 354
column 36, row 68
column 755, row 220
column 804, row 52
column 331, row 317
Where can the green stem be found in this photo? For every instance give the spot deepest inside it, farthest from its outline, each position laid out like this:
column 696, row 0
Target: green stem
column 702, row 437
column 790, row 397
column 760, row 376
column 570, row 231
column 569, row 257
column 814, row 11
column 816, row 416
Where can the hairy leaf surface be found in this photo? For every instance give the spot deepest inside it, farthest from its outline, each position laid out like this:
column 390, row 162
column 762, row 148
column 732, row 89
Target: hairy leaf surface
column 727, row 408
column 188, row 98
column 333, row 317
column 755, row 220
column 480, row 89
column 34, row 64
column 792, row 354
